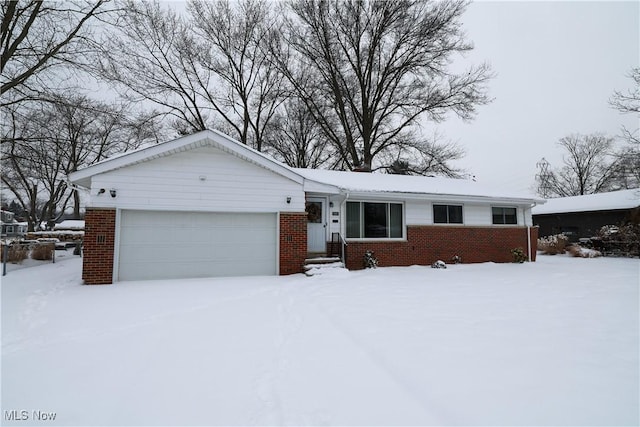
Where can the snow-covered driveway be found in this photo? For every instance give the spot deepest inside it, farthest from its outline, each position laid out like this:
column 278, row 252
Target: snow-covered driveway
column 548, row 343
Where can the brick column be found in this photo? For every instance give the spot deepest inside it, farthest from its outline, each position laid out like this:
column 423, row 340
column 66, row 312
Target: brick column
column 99, row 245
column 293, row 242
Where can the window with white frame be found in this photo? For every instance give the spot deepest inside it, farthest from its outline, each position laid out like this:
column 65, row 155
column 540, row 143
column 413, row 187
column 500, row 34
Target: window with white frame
column 447, row 214
column 374, row 220
column 504, row 215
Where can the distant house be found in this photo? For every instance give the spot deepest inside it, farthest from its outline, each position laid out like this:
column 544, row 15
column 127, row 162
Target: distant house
column 582, row 216
column 10, row 227
column 206, row 205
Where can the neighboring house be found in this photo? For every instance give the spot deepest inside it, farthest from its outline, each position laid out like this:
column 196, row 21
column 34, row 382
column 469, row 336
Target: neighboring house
column 583, row 216
column 10, row 227
column 206, row 205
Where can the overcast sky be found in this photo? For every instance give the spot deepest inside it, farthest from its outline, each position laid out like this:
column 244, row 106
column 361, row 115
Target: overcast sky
column 556, row 66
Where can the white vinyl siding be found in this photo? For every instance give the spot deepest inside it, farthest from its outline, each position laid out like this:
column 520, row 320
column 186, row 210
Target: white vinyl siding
column 203, row 179
column 477, row 215
column 420, row 212
column 170, row 245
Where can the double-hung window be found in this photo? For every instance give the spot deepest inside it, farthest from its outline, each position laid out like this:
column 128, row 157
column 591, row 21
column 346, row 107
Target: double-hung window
column 374, row 220
column 447, row 214
column 504, row 215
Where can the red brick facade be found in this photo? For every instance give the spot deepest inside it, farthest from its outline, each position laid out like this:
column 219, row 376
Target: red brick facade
column 427, row 244
column 293, row 242
column 424, row 245
column 99, row 244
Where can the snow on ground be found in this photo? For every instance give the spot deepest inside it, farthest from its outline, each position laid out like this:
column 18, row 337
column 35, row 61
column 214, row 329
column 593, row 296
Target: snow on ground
column 548, row 343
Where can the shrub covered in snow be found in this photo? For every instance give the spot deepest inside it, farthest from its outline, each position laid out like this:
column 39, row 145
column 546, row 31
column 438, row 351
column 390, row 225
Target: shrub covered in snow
column 620, row 240
column 579, row 251
column 457, row 259
column 439, row 264
column 518, row 255
column 370, row 261
column 552, row 245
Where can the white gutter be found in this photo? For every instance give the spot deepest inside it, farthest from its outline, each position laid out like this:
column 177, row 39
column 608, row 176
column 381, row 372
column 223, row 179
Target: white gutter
column 343, row 225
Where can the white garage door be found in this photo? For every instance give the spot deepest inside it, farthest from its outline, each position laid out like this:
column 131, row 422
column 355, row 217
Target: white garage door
column 169, row 245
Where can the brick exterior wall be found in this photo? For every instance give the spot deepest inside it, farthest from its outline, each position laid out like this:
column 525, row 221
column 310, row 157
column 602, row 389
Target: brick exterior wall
column 99, row 244
column 427, row 244
column 293, row 242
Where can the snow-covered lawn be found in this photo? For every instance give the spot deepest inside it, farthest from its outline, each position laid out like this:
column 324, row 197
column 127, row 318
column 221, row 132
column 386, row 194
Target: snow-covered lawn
column 548, row 343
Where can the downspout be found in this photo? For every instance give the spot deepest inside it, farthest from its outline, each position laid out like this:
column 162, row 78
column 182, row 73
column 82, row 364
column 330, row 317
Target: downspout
column 343, row 226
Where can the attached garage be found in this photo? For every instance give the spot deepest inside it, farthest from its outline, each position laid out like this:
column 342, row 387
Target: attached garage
column 168, row 245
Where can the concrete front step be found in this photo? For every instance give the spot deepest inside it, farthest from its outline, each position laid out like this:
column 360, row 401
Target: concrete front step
column 313, row 266
column 321, row 260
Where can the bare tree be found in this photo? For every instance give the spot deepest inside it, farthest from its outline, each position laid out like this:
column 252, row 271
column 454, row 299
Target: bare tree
column 588, row 167
column 45, row 141
column 425, row 157
column 373, row 68
column 37, row 37
column 629, row 103
column 296, row 139
column 90, row 131
column 148, row 57
column 31, row 168
column 233, row 43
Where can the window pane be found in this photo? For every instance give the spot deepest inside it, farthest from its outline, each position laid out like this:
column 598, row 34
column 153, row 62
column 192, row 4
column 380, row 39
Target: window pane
column 510, row 216
column 375, row 220
column 440, row 214
column 497, row 214
column 395, row 220
column 353, row 219
column 455, row 214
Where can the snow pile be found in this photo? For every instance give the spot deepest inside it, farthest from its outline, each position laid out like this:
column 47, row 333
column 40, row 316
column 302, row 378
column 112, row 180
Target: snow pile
column 70, row 224
column 553, row 342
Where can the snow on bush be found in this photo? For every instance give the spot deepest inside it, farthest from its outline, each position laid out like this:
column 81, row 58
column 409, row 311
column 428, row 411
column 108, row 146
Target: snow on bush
column 620, row 240
column 370, row 261
column 439, row 264
column 518, row 255
column 580, row 252
column 552, row 245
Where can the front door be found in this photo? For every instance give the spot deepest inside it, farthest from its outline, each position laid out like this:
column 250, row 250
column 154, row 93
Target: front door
column 316, row 226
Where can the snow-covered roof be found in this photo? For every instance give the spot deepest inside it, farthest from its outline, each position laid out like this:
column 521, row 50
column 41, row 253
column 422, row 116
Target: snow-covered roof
column 314, row 180
column 70, row 224
column 409, row 184
column 623, row 199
